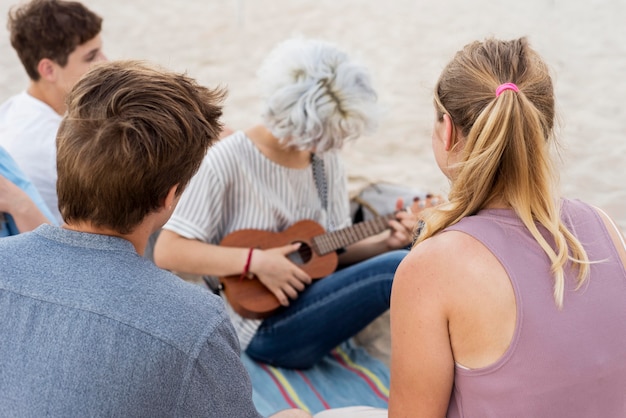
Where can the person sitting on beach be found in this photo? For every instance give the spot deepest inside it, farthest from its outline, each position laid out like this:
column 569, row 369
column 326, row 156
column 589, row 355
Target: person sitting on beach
column 89, row 327
column 269, row 178
column 56, row 41
column 513, row 301
column 21, row 207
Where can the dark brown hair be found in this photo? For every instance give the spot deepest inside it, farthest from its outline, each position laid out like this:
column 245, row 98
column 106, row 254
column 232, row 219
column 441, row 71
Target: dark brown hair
column 130, row 134
column 50, row 29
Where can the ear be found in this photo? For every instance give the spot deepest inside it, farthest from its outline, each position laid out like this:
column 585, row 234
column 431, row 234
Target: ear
column 47, row 69
column 448, row 132
column 171, row 198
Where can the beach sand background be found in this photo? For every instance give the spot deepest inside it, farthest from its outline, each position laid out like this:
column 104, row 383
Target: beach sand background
column 405, row 43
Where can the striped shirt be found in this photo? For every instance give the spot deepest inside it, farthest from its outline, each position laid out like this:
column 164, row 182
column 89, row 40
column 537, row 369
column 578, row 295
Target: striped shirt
column 237, row 187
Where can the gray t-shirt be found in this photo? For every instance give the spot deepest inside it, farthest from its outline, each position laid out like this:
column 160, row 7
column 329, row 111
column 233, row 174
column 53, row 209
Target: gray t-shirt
column 90, row 328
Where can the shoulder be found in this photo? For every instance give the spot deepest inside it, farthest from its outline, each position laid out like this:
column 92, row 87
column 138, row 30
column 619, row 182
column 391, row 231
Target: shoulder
column 23, row 108
column 229, row 147
column 9, row 106
column 28, row 130
column 182, row 309
column 226, row 155
column 17, row 244
column 439, row 266
column 585, row 220
column 441, row 251
column 332, row 160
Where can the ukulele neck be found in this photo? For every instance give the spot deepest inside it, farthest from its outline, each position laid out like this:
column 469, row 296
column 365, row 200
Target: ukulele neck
column 332, row 241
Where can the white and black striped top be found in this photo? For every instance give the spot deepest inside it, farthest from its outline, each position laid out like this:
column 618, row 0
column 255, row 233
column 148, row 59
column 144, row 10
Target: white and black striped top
column 237, row 187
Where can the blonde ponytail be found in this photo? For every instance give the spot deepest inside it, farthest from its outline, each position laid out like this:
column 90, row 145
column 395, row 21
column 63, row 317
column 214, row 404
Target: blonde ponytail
column 505, row 147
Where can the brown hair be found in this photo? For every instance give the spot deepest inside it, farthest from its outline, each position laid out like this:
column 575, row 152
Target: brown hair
column 504, row 145
column 130, row 134
column 50, row 29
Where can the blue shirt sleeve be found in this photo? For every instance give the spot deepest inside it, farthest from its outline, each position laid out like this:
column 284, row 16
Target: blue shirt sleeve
column 10, row 170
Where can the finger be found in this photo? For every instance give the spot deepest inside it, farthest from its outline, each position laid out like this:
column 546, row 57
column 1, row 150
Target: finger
column 397, row 226
column 297, row 284
column 281, row 296
column 302, row 276
column 290, row 291
column 406, row 224
column 400, row 216
column 409, row 224
column 399, row 204
column 400, row 239
column 290, row 248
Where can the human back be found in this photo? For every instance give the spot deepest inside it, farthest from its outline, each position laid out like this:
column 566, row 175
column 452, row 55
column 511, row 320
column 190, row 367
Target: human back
column 126, row 337
column 487, row 307
column 90, row 326
column 558, row 362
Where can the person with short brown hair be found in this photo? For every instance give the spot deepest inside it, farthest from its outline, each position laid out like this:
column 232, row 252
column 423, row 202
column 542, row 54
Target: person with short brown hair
column 50, row 29
column 111, row 115
column 89, row 327
column 57, row 42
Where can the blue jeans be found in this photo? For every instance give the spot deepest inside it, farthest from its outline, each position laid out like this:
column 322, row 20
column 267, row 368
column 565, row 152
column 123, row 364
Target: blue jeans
column 327, row 313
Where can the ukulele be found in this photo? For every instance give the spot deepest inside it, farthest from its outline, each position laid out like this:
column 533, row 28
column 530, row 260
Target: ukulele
column 316, row 256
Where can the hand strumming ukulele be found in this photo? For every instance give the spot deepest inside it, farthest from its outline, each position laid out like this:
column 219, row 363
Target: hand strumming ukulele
column 317, row 256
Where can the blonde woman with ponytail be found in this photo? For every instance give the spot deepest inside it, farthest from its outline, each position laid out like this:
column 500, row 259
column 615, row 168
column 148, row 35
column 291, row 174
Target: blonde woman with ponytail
column 513, row 300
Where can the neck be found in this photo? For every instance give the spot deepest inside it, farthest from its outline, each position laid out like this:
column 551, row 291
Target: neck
column 497, row 203
column 48, row 94
column 273, row 149
column 138, row 236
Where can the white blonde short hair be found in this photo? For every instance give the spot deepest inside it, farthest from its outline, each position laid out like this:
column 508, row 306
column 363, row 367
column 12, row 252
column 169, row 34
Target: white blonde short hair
column 315, row 96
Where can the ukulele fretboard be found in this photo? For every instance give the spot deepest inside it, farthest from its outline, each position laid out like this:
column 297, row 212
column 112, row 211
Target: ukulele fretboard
column 332, row 241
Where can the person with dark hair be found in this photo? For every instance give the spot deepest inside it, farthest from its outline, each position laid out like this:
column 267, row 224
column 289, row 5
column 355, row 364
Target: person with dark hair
column 57, row 41
column 89, row 327
column 512, row 303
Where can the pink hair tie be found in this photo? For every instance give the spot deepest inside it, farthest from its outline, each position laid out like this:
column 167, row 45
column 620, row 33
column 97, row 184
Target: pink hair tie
column 506, row 86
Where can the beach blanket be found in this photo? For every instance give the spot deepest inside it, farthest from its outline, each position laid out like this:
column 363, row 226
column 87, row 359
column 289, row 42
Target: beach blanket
column 346, row 376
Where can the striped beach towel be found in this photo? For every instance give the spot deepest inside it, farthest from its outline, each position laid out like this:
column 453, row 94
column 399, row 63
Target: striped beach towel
column 346, row 376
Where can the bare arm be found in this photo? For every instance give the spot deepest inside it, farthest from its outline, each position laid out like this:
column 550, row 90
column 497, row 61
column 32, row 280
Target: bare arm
column 422, row 364
column 20, row 206
column 283, row 278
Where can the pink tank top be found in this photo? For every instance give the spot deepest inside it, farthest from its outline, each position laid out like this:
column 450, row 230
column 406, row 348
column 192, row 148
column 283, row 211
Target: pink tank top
column 567, row 363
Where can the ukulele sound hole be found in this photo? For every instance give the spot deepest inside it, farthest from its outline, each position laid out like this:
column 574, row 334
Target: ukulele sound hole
column 302, row 256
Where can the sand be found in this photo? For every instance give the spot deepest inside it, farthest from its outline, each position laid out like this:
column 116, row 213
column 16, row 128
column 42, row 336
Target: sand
column 405, row 43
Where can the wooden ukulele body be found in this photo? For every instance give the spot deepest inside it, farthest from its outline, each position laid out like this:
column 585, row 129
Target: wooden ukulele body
column 248, row 296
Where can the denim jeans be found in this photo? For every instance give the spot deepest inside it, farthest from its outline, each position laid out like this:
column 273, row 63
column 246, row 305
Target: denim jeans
column 327, row 313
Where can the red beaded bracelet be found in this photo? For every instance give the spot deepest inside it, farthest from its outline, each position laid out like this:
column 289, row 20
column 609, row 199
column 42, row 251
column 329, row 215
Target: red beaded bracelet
column 246, row 269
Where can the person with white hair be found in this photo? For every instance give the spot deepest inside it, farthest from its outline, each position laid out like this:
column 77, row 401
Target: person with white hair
column 273, row 175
